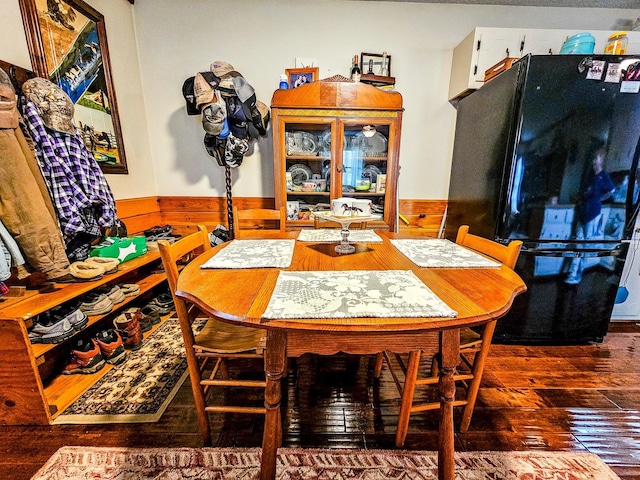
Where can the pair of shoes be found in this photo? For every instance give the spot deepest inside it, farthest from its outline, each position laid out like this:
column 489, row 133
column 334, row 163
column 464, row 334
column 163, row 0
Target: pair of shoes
column 85, row 358
column 160, row 232
column 145, row 322
column 163, row 303
column 150, row 317
column 47, row 329
column 111, row 346
column 77, row 318
column 96, row 303
column 108, row 264
column 128, row 326
column 130, row 289
column 114, row 293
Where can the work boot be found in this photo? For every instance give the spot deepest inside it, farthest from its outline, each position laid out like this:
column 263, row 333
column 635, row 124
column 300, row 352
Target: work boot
column 128, row 326
column 85, row 358
column 111, row 346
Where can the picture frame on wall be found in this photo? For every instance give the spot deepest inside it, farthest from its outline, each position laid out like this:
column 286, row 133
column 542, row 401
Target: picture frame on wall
column 371, row 63
column 299, row 76
column 67, row 42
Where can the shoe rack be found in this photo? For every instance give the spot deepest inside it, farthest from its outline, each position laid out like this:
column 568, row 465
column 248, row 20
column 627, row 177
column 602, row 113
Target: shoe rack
column 32, row 389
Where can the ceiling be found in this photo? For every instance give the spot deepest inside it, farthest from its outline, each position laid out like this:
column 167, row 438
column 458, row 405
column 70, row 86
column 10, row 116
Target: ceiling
column 539, row 3
column 533, row 3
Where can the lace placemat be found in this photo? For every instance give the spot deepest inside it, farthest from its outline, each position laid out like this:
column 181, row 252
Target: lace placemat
column 253, row 254
column 353, row 293
column 439, row 252
column 333, row 235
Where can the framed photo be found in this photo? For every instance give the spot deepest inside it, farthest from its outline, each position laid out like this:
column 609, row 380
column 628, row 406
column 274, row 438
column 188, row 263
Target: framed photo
column 67, row 42
column 300, row 76
column 371, row 64
column 381, row 183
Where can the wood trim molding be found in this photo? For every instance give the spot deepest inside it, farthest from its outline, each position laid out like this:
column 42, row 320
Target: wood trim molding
column 183, row 213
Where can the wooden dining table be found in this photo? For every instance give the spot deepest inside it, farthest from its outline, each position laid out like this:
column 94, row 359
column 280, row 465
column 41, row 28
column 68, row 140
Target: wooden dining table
column 478, row 295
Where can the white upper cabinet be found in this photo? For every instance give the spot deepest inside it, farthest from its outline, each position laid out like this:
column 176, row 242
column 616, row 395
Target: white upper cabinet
column 485, row 47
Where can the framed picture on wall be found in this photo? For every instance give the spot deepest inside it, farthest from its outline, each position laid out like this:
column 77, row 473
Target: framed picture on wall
column 67, row 43
column 372, row 64
column 299, row 76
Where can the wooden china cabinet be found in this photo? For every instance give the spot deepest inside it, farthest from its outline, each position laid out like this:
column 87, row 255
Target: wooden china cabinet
column 336, row 138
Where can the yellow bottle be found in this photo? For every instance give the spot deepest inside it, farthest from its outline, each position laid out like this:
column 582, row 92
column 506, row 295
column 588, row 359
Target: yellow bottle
column 617, row 44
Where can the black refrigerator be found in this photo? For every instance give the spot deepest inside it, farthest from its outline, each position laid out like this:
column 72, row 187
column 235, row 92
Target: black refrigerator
column 524, row 167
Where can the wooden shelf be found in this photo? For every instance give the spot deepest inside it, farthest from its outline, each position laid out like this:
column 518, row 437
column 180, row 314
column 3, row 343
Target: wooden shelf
column 35, row 304
column 146, row 284
column 30, row 375
column 294, row 192
column 310, row 158
column 63, row 390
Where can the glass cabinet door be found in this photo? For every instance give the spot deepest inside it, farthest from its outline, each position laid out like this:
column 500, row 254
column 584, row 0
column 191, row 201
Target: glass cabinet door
column 308, row 153
column 364, row 162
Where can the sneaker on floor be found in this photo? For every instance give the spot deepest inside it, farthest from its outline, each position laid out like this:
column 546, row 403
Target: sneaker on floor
column 44, row 331
column 113, row 292
column 96, row 304
column 128, row 326
column 85, row 358
column 77, row 318
column 111, row 346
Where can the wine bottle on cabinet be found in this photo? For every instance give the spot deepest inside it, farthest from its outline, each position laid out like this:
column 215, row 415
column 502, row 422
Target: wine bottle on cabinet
column 384, row 69
column 355, row 69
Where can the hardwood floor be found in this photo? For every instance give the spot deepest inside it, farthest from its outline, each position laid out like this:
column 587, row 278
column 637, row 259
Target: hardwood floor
column 578, row 398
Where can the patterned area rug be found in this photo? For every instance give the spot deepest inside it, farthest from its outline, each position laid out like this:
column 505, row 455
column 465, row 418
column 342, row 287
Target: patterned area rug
column 74, row 463
column 139, row 389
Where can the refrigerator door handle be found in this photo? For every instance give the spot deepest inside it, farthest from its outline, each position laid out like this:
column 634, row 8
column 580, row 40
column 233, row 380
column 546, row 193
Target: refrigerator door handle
column 564, row 253
column 631, row 208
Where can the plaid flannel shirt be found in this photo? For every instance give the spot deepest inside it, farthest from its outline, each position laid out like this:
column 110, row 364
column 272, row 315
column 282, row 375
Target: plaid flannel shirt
column 81, row 196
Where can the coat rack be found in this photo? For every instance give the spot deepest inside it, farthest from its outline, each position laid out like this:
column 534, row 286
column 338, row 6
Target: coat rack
column 18, row 75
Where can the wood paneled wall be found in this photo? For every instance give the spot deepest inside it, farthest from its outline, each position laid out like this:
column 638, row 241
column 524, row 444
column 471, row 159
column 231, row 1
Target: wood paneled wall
column 424, row 217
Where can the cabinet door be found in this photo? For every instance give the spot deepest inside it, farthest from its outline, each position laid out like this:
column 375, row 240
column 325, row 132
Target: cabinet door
column 495, row 45
column 308, row 152
column 364, row 164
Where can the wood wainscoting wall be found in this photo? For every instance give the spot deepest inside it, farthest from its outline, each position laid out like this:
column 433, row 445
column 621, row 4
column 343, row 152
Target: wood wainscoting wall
column 422, row 217
column 419, row 217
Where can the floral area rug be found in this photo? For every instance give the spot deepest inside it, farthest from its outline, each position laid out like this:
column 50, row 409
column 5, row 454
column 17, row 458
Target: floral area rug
column 139, row 389
column 74, row 463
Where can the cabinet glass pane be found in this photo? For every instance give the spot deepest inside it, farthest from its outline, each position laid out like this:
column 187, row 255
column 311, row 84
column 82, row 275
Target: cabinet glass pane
column 308, row 166
column 365, row 162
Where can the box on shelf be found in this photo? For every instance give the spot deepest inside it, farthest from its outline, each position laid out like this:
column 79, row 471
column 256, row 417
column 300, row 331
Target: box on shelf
column 501, row 66
column 122, row 248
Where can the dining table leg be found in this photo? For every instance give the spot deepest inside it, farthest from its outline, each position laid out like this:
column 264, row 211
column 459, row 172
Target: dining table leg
column 449, row 352
column 274, row 366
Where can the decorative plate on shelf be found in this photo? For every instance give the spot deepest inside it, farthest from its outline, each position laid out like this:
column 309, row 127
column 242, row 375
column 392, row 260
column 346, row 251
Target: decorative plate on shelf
column 300, row 173
column 301, row 143
column 371, row 172
column 375, row 145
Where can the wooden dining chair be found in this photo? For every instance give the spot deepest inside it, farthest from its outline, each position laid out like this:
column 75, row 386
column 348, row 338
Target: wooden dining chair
column 251, row 222
column 209, row 351
column 474, row 348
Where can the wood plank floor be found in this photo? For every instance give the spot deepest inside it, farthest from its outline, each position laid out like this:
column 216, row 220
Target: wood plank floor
column 573, row 398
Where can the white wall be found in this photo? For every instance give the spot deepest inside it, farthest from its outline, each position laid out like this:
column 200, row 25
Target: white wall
column 127, row 79
column 263, row 37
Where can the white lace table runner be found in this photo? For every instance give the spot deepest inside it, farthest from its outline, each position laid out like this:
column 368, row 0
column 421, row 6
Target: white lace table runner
column 438, row 252
column 253, row 254
column 353, row 293
column 333, row 235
